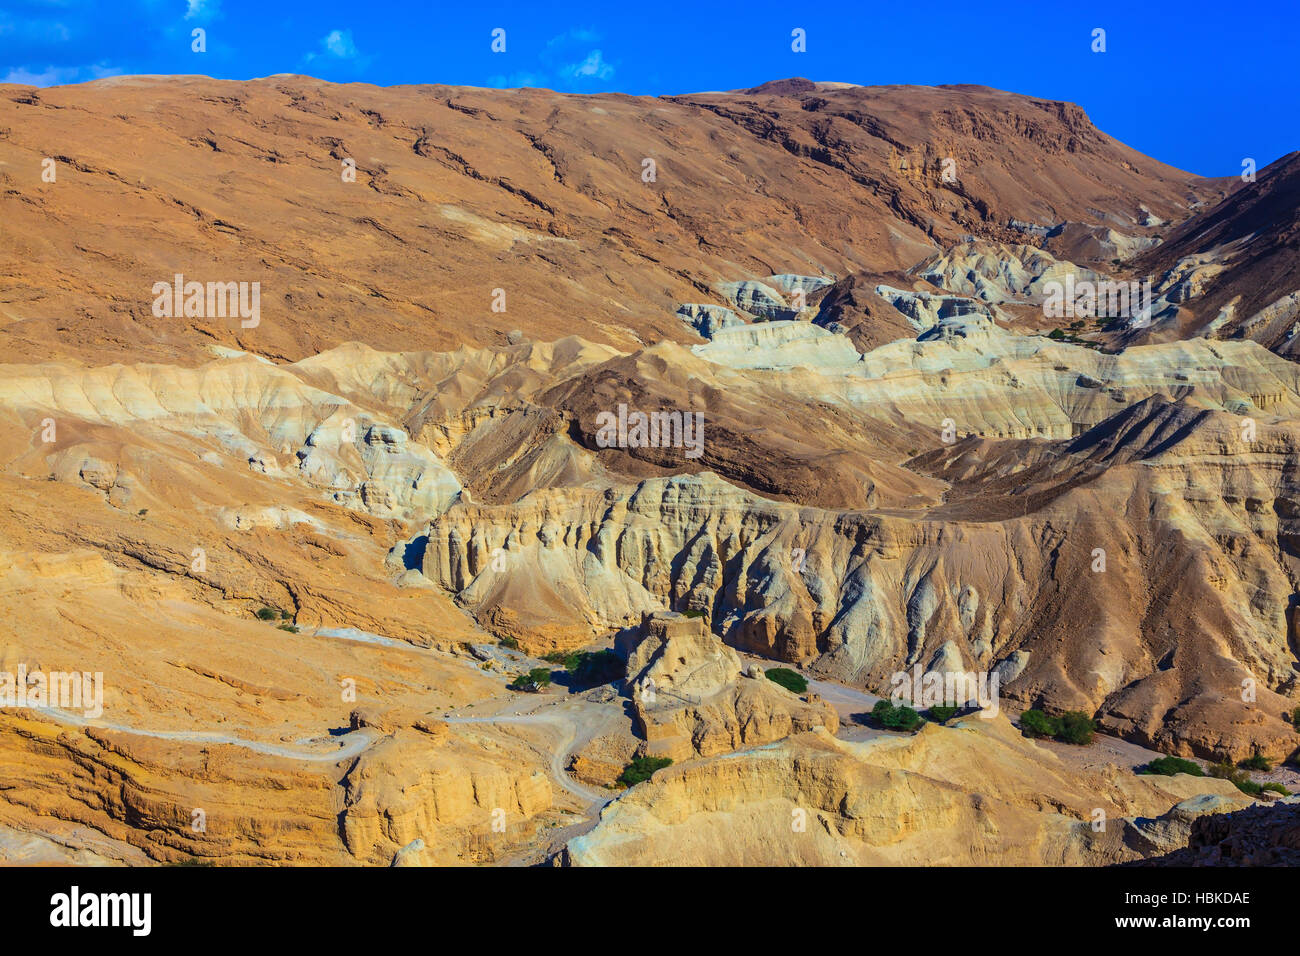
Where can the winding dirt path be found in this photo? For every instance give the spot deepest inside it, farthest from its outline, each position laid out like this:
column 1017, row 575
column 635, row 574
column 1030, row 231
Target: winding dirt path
column 350, row 744
column 568, row 725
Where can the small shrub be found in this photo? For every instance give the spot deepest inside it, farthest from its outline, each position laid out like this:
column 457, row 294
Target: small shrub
column 1256, row 762
column 693, row 613
column 267, row 614
column 288, row 627
column 1277, row 788
column 284, row 615
column 1240, row 779
column 533, row 681
column 941, row 713
column 642, row 768
column 1072, row 727
column 1168, row 766
column 1295, row 718
column 596, row 668
column 1076, row 728
column 566, row 659
column 1035, row 723
column 792, row 681
column 901, row 717
column 1056, row 334
column 588, row 668
column 509, row 643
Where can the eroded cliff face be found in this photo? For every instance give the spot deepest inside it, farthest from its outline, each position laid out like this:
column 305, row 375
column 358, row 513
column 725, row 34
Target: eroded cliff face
column 368, row 490
column 860, row 597
column 191, row 799
column 220, row 738
column 947, row 796
column 897, row 469
column 1253, row 836
column 691, row 697
column 469, row 798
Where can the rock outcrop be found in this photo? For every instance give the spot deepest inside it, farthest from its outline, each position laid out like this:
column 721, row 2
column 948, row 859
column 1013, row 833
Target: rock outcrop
column 690, row 699
column 1232, row 270
column 1254, row 836
column 946, row 796
column 285, row 543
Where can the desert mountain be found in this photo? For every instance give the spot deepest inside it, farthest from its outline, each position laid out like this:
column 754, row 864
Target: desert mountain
column 460, row 192
column 310, row 554
column 1233, row 270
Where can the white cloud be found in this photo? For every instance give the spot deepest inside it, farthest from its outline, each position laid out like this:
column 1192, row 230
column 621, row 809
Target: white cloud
column 593, row 66
column 50, row 76
column 562, row 64
column 337, row 45
column 201, row 9
column 58, row 75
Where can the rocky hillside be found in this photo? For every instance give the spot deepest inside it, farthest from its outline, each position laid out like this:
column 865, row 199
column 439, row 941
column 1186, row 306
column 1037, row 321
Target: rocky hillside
column 1233, row 270
column 1254, row 836
column 460, row 192
column 311, row 554
column 946, row 796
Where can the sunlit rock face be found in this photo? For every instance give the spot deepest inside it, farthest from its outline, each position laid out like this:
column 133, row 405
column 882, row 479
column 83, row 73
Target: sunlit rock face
column 311, row 556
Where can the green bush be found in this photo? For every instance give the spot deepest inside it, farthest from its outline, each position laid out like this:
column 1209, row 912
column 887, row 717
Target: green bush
column 694, row 613
column 642, row 768
column 1072, row 727
column 899, row 717
column 941, row 713
column 566, row 659
column 510, row 643
column 598, row 667
column 284, row 615
column 1256, row 762
column 288, row 627
column 1076, row 728
column 1056, row 334
column 267, row 614
column 1239, row 778
column 533, row 681
column 1295, row 718
column 1168, row 766
column 792, row 681
column 588, row 668
column 1035, row 723
column 1277, row 788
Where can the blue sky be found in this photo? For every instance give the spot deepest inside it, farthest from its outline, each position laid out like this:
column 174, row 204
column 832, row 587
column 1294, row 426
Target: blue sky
column 1198, row 85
